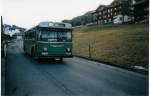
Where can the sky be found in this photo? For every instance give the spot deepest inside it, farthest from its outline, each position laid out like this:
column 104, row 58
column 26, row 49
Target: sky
column 28, row 13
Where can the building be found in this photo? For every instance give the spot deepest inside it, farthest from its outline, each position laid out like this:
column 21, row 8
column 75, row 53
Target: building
column 98, row 14
column 141, row 10
column 118, row 10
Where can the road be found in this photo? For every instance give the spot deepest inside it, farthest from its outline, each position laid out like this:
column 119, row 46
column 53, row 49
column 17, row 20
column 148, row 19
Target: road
column 73, row 77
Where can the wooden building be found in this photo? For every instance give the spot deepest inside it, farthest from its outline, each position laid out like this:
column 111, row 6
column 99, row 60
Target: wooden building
column 141, row 10
column 105, row 14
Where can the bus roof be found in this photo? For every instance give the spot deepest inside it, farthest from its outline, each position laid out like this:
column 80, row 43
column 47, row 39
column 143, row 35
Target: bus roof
column 55, row 25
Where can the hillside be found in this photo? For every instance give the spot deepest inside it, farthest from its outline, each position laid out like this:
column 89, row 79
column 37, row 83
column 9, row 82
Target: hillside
column 123, row 45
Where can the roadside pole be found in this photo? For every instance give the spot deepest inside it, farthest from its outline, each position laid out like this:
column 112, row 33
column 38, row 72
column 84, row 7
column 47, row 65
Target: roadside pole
column 2, row 31
column 89, row 51
column 3, row 60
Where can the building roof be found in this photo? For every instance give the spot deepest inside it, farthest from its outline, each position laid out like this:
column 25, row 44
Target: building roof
column 139, row 1
column 115, row 2
column 54, row 24
column 101, row 7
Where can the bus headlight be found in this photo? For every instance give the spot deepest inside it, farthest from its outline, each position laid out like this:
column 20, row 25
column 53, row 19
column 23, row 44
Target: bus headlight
column 68, row 53
column 44, row 53
column 45, row 49
column 68, row 49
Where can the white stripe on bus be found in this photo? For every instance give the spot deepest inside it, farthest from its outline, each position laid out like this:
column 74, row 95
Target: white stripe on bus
column 52, row 42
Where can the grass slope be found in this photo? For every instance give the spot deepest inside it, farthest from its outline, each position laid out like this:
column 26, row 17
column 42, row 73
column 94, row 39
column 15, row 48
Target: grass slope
column 124, row 45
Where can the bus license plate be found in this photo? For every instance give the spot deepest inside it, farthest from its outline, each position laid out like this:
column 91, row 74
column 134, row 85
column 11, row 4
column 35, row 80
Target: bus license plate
column 44, row 53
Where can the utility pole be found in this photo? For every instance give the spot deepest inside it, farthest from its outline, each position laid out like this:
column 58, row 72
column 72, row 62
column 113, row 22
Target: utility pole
column 2, row 29
column 89, row 51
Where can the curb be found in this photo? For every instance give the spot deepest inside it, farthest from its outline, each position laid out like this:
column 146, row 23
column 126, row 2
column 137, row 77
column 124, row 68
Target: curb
column 3, row 70
column 130, row 68
column 3, row 73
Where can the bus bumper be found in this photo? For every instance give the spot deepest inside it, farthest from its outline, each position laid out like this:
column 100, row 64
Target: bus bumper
column 64, row 56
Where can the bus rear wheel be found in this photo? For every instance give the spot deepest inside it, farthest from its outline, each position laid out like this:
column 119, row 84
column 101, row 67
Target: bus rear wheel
column 61, row 60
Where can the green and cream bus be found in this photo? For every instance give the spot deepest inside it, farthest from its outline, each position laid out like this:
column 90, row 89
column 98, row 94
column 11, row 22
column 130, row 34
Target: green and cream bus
column 49, row 40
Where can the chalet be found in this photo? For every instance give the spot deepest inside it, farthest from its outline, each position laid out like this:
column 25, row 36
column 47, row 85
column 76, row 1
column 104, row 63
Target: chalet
column 141, row 10
column 118, row 12
column 105, row 14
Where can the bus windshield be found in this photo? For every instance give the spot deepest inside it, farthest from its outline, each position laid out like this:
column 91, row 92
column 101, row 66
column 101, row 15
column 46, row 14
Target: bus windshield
column 55, row 36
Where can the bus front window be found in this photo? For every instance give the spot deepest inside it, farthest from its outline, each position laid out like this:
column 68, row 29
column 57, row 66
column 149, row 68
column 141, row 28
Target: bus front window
column 64, row 36
column 55, row 36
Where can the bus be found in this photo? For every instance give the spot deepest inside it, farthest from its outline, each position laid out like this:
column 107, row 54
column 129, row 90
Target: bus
column 49, row 40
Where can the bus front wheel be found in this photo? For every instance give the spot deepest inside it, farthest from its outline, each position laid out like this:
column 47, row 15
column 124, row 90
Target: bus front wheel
column 61, row 59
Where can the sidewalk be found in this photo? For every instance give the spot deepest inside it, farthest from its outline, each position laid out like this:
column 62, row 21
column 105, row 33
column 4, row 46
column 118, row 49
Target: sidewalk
column 3, row 69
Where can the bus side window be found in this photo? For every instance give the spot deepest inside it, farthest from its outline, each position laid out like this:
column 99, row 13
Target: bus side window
column 24, row 36
column 36, row 35
column 32, row 35
column 27, row 35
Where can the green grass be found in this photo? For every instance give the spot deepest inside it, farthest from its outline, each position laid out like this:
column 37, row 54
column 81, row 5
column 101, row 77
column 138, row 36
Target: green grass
column 124, row 45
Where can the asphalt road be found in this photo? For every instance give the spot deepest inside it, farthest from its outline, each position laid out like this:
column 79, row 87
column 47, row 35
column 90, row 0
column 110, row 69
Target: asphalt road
column 73, row 77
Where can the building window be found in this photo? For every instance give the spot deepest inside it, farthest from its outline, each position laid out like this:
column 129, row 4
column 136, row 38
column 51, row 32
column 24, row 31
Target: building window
column 111, row 9
column 109, row 20
column 120, row 7
column 121, row 18
column 103, row 12
column 101, row 22
column 111, row 14
column 99, row 13
column 98, row 22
